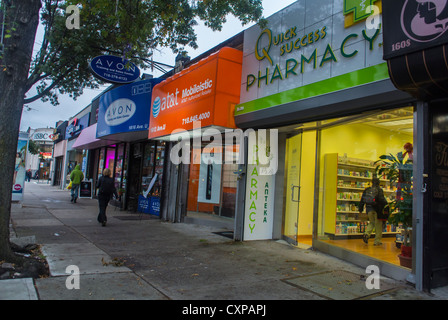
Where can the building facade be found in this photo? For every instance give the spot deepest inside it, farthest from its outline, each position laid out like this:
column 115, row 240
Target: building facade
column 316, row 74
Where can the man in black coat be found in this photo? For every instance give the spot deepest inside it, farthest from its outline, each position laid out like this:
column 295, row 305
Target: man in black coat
column 106, row 186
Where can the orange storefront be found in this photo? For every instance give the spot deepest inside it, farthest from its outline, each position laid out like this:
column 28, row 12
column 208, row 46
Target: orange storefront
column 197, row 105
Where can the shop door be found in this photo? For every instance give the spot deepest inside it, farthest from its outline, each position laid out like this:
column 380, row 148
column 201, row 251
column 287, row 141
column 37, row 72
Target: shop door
column 133, row 186
column 292, row 188
column 436, row 218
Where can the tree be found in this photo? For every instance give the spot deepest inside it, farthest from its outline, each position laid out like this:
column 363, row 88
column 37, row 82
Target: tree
column 128, row 28
column 33, row 147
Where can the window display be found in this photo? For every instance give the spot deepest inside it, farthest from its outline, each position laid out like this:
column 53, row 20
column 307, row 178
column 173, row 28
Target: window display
column 212, row 184
column 348, row 168
column 328, row 167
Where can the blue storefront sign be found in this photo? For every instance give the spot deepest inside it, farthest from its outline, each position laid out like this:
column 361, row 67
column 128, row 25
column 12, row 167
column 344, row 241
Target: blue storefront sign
column 154, row 206
column 76, row 126
column 143, row 204
column 125, row 109
column 114, row 69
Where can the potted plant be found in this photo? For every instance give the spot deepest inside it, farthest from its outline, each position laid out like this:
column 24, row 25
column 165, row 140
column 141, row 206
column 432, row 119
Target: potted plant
column 398, row 170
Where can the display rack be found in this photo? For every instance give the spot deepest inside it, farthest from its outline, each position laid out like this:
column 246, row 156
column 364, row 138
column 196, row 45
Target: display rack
column 344, row 182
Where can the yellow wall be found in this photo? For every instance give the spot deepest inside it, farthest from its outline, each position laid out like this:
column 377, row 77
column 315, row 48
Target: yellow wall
column 362, row 141
column 355, row 140
column 307, row 184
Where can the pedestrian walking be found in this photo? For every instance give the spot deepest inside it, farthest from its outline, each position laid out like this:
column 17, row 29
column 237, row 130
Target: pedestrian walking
column 374, row 200
column 76, row 178
column 106, row 188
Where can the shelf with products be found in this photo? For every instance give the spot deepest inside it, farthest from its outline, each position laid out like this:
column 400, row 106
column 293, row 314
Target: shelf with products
column 344, row 182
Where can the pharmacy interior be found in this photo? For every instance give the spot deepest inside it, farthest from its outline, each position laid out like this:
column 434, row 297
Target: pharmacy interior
column 320, row 79
column 337, row 160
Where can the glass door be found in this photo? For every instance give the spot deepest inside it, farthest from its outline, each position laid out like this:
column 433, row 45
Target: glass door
column 292, row 188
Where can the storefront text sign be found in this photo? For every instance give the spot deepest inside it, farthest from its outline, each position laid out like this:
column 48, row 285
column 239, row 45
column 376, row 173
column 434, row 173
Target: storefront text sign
column 304, row 46
column 260, row 188
column 114, row 69
column 414, row 25
column 126, row 108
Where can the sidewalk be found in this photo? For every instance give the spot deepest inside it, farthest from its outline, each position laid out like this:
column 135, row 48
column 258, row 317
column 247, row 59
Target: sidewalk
column 138, row 257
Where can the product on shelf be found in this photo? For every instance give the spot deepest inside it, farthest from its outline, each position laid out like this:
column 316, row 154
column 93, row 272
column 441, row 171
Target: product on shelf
column 351, row 176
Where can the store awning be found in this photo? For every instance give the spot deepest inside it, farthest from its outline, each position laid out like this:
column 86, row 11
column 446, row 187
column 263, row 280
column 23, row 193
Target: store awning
column 87, row 139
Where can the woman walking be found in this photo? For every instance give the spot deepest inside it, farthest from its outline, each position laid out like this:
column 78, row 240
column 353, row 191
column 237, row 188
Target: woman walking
column 106, row 188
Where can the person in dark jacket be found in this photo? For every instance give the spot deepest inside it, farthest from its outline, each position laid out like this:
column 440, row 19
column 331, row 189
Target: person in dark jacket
column 374, row 200
column 106, row 188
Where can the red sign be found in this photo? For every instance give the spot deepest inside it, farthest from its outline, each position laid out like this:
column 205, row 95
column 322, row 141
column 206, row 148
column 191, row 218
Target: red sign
column 46, row 154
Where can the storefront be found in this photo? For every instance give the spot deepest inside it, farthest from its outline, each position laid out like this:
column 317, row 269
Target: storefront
column 73, row 155
column 40, row 164
column 59, row 151
column 190, row 112
column 118, row 140
column 317, row 77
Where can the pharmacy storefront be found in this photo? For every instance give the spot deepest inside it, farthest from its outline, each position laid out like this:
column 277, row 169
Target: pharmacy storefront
column 316, row 74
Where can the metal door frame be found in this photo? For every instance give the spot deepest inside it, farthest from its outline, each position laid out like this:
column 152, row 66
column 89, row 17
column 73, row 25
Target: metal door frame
column 286, row 188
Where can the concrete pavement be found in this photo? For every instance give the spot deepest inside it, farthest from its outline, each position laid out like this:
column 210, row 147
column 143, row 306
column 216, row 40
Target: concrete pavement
column 139, row 257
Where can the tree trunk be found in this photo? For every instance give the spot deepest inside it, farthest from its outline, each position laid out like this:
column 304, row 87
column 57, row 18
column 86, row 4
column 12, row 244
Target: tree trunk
column 22, row 19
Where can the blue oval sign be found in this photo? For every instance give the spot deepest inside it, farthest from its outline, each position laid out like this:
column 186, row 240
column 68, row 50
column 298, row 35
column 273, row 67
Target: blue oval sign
column 114, row 69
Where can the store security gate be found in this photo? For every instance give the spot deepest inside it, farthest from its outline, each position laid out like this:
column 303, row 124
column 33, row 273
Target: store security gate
column 436, row 218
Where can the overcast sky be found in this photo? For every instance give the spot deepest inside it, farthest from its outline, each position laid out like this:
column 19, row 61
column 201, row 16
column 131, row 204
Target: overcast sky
column 42, row 114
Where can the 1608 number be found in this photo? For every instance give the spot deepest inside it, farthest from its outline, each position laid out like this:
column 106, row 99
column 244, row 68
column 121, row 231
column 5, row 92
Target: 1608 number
column 401, row 45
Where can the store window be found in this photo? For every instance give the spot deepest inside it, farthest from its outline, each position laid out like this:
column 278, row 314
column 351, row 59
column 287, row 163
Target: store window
column 100, row 163
column 119, row 173
column 351, row 152
column 110, row 158
column 146, row 162
column 152, row 168
column 355, row 153
column 148, row 166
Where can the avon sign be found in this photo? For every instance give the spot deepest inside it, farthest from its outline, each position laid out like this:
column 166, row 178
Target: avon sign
column 126, row 108
column 114, row 69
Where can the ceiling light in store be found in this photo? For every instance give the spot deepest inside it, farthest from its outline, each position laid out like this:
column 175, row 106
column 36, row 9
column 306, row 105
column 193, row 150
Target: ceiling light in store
column 394, row 123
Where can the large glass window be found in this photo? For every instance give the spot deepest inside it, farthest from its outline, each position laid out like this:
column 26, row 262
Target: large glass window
column 366, row 166
column 152, row 168
column 119, row 164
column 213, row 184
column 351, row 152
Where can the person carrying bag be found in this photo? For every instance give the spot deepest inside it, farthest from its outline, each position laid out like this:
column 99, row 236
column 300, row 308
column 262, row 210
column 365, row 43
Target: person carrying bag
column 76, row 178
column 375, row 202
